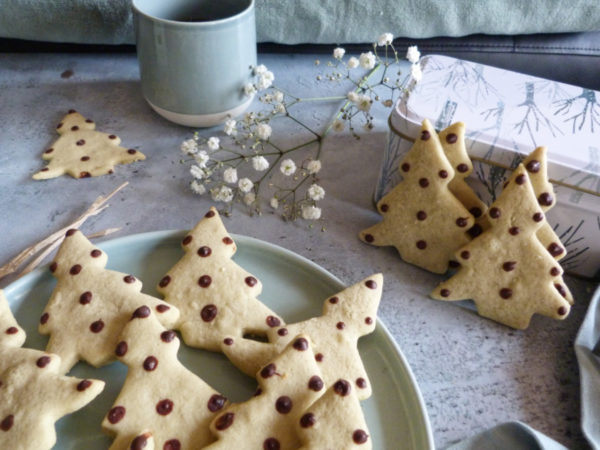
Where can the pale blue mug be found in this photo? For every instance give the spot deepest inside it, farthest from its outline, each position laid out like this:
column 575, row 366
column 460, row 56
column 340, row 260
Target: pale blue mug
column 195, row 56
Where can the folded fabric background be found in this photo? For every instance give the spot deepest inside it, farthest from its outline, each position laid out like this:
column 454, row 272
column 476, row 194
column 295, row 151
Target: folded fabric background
column 308, row 21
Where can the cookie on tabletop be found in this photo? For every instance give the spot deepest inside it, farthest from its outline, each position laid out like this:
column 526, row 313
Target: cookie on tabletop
column 452, row 139
column 335, row 420
column 346, row 317
column 217, row 298
column 83, row 152
column 422, row 218
column 287, row 386
column 90, row 305
column 506, row 271
column 11, row 334
column 160, row 395
column 34, row 395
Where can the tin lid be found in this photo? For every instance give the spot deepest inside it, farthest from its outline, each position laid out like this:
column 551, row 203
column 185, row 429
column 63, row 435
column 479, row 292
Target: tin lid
column 507, row 115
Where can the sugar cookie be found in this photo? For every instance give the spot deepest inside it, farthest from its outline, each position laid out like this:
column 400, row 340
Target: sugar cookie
column 11, row 334
column 82, row 152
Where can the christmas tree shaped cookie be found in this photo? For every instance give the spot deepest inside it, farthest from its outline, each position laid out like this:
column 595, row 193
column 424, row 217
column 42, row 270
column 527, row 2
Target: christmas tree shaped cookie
column 34, row 396
column 506, row 270
column 90, row 305
column 216, row 297
column 422, row 218
column 83, row 152
column 346, row 317
column 11, row 334
column 537, row 168
column 287, row 386
column 453, row 143
column 335, row 420
column 160, row 396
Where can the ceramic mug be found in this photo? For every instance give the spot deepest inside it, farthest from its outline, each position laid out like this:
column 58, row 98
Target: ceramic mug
column 195, row 56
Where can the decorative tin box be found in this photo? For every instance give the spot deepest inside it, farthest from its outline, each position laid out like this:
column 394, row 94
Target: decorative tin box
column 507, row 115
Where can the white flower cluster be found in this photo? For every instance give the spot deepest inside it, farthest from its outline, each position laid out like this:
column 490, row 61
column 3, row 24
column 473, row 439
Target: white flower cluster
column 264, row 80
column 413, row 55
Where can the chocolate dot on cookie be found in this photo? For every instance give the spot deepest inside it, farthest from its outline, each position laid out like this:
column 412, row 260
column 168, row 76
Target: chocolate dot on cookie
column 140, row 442
column 476, row 211
column 150, row 363
column 514, row 230
column 162, row 308
column 506, row 293
column 405, row 167
column 282, row 332
column 368, row 321
column 271, row 443
column 83, row 385
column 44, row 318
column 465, row 254
column 300, row 344
column 360, row 436
column 451, row 138
column 75, row 269
column 307, row 420
column 209, row 214
column 371, row 284
column 80, row 142
column 141, row 312
column 533, row 166
column 369, row 238
column 97, row 326
column 475, row 230
column 384, row 208
column 224, row 421
column 495, row 213
column 164, row 407
column 341, row 387
column 132, row 151
column 340, row 325
column 425, row 135
column 95, row 253
column 423, row 182
column 333, row 300
column 284, row 404
column 11, row 330
column 251, row 281
column 462, row 168
column 167, row 336
column 509, row 266
column 462, row 222
column 361, row 383
column 70, row 232
column 50, row 150
column 227, row 240
column 121, row 349
column 421, row 244
column 53, row 266
column 520, row 179
column 443, row 174
column 561, row 289
column 84, row 175
column 164, row 282
column 538, row 217
column 421, row 215
column 204, row 281
column 187, row 240
column 273, row 321
column 85, row 298
column 204, row 251
column 85, row 158
column 7, row 422
column 209, row 313
column 555, row 249
column 315, row 383
column 112, row 136
column 116, row 414
column 268, row 371
column 172, row 444
column 545, row 199
column 319, row 357
column 129, row 279
column 561, row 311
column 445, row 292
column 228, row 341
column 43, row 361
column 216, row 402
column 555, row 271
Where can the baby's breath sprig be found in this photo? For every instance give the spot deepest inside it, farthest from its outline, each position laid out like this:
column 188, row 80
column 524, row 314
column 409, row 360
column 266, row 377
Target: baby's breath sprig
column 246, row 165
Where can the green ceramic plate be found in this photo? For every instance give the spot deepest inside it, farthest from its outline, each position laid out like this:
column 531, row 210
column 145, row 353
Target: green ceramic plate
column 292, row 285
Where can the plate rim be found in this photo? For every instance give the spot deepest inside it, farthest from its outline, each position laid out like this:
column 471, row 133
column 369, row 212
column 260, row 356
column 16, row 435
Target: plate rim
column 161, row 236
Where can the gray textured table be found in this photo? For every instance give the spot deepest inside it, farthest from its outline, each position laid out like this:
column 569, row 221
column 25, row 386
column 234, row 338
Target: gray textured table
column 473, row 373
